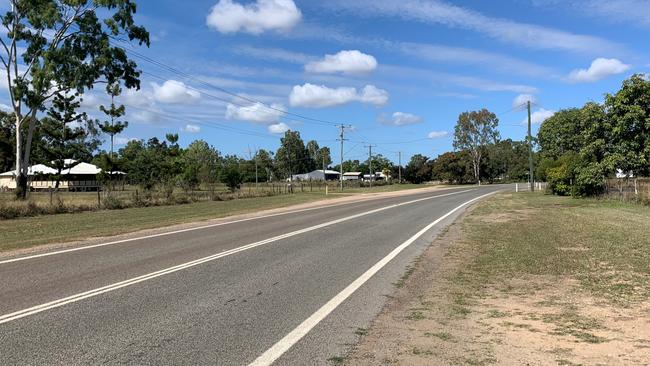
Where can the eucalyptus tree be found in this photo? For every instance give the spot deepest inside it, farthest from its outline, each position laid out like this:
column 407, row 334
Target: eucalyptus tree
column 51, row 46
column 474, row 131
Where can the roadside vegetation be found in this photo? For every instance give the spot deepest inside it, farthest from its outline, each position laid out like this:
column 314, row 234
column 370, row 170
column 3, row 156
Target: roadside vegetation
column 524, row 279
column 580, row 148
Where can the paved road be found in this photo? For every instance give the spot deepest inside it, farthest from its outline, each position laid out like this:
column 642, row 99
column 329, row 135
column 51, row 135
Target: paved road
column 290, row 288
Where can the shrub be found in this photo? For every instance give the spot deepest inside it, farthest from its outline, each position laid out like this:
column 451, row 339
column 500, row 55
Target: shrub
column 112, row 203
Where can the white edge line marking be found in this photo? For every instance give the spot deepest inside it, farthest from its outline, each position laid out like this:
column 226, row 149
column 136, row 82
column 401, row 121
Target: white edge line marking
column 47, row 254
column 98, row 291
column 283, row 345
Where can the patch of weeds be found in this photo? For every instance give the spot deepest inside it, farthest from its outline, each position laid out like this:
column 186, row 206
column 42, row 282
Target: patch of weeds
column 460, row 311
column 421, row 352
column 361, row 331
column 441, row 335
column 402, row 280
column 588, row 337
column 496, row 314
column 336, row 360
column 415, row 315
column 563, row 362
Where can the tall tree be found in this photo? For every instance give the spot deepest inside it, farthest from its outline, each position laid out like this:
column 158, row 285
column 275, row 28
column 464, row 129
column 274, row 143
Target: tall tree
column 292, row 156
column 418, row 170
column 64, row 137
column 53, row 46
column 628, row 113
column 6, row 141
column 474, row 130
column 113, row 125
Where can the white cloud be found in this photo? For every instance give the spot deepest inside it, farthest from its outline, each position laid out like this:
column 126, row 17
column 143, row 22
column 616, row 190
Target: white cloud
column 262, row 15
column 453, row 16
column 6, row 108
column 190, row 128
column 146, row 116
column 467, row 56
column 400, row 119
column 278, row 128
column 347, row 62
column 320, row 96
column 538, row 116
column 137, row 98
column 600, row 68
column 520, row 101
column 257, row 113
column 438, row 134
column 121, row 140
column 174, row 92
column 630, row 12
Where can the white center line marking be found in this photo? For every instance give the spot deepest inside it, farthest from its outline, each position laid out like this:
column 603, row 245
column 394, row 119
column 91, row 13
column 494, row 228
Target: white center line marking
column 283, row 345
column 47, row 254
column 112, row 287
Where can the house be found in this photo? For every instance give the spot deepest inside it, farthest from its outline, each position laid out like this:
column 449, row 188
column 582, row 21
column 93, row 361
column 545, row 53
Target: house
column 352, row 176
column 81, row 177
column 377, row 176
column 317, row 175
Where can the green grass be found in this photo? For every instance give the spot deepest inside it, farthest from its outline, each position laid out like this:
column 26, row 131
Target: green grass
column 604, row 244
column 33, row 231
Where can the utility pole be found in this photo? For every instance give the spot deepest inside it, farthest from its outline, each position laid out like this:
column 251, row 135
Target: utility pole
column 251, row 157
column 530, row 153
column 372, row 176
column 399, row 166
column 342, row 139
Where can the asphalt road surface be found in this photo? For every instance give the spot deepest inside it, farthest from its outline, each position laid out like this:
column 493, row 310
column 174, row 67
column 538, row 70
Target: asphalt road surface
column 288, row 289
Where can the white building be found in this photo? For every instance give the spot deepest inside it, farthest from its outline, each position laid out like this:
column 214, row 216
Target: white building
column 82, row 176
column 317, row 175
column 352, row 176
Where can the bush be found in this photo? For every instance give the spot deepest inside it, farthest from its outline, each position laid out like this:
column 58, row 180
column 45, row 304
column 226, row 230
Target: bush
column 112, row 203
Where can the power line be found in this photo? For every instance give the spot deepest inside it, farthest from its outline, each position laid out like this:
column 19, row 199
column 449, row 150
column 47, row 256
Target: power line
column 221, row 89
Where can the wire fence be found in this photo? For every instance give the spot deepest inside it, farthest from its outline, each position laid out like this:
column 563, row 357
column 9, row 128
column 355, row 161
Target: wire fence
column 628, row 189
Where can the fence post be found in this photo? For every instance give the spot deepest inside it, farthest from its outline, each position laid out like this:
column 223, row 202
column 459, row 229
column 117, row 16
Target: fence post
column 516, row 187
column 99, row 199
column 636, row 190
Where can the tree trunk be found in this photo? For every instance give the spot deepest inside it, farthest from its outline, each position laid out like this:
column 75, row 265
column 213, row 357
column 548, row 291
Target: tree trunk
column 21, row 176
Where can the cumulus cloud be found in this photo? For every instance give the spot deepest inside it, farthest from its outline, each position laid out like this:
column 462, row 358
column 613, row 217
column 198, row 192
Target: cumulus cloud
column 137, row 98
column 520, row 101
column 600, row 68
column 320, row 96
column 257, row 113
column 278, row 128
column 174, row 92
column 400, row 119
column 438, row 134
column 190, row 128
column 538, row 116
column 6, row 108
column 260, row 16
column 347, row 62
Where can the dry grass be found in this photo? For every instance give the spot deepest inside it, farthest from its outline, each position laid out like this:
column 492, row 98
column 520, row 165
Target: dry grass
column 527, row 279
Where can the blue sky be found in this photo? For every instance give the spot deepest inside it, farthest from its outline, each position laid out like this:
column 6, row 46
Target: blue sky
column 398, row 71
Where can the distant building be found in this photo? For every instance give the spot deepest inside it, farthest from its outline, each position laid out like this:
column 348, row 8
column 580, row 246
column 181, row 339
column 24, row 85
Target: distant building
column 621, row 174
column 377, row 176
column 352, row 176
column 317, row 175
column 81, row 177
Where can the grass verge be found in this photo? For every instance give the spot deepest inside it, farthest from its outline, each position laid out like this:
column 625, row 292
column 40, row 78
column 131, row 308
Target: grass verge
column 524, row 279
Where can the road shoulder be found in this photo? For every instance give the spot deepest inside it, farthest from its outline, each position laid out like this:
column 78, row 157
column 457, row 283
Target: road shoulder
column 480, row 295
